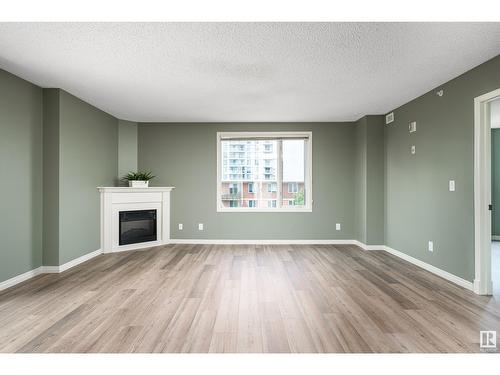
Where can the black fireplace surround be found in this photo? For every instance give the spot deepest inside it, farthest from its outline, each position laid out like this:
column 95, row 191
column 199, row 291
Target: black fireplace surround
column 137, row 226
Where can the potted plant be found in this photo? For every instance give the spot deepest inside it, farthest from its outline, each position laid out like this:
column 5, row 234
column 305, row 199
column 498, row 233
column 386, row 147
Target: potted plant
column 138, row 179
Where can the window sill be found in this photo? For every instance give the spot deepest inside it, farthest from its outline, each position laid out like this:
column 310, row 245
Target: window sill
column 261, row 210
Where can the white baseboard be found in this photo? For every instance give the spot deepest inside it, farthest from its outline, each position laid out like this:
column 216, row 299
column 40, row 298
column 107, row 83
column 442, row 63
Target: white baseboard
column 428, row 267
column 368, row 247
column 262, row 242
column 77, row 261
column 48, row 269
column 20, row 278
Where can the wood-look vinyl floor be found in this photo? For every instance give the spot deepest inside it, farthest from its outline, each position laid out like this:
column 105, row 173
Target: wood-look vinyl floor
column 244, row 298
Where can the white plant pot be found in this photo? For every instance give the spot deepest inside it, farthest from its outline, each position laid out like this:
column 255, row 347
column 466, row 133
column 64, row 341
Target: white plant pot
column 138, row 184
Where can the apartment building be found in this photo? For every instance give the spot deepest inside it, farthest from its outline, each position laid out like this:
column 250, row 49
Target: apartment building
column 251, row 171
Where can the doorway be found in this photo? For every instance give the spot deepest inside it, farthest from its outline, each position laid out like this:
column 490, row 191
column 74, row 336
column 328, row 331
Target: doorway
column 495, row 194
column 486, row 249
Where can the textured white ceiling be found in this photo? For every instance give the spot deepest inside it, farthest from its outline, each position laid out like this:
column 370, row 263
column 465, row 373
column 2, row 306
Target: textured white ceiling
column 245, row 71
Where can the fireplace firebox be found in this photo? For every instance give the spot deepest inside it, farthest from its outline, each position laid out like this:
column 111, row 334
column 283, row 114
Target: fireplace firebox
column 137, row 226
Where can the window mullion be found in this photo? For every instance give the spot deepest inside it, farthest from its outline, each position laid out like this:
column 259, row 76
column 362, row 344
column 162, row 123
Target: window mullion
column 279, row 188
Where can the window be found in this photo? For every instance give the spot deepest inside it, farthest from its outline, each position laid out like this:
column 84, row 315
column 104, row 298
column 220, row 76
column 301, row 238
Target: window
column 272, row 187
column 274, row 166
column 233, row 189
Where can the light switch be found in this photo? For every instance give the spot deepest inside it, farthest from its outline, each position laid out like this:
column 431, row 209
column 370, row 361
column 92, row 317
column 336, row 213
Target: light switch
column 431, row 246
column 181, row 226
column 413, row 150
column 200, row 226
column 412, row 127
column 452, row 185
column 337, row 226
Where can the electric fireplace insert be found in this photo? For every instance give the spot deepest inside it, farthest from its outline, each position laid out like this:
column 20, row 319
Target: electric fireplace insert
column 137, row 226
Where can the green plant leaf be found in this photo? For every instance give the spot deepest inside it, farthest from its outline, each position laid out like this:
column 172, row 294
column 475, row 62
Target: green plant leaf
column 138, row 176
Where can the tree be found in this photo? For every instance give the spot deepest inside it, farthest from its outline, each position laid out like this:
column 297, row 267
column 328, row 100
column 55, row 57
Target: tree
column 299, row 198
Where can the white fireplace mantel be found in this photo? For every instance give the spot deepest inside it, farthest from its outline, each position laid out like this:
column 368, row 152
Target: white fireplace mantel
column 116, row 199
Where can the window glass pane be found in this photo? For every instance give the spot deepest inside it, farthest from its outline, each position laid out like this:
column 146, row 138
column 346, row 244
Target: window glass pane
column 294, row 193
column 249, row 173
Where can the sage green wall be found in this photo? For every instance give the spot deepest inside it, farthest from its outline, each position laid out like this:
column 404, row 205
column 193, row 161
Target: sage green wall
column 184, row 156
column 51, row 166
column 375, row 181
column 369, row 183
column 419, row 206
column 127, row 147
column 495, row 181
column 21, row 171
column 88, row 158
column 360, row 180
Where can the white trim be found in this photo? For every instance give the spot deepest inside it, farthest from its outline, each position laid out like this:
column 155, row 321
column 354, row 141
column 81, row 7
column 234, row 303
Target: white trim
column 79, row 260
column 264, row 135
column 428, row 267
column 126, row 189
column 369, row 247
column 261, row 242
column 260, row 210
column 72, row 263
column 437, row 271
column 114, row 200
column 482, row 192
column 267, row 135
column 48, row 269
column 20, row 278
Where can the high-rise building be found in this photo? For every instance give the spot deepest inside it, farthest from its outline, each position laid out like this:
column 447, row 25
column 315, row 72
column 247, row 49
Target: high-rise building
column 250, row 176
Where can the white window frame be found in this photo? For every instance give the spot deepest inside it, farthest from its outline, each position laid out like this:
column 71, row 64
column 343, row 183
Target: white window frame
column 266, row 135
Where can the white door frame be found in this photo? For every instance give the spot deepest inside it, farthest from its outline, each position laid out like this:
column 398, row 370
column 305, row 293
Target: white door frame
column 482, row 192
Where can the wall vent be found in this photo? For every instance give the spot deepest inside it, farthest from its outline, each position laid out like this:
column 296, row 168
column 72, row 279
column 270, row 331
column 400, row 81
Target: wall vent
column 389, row 118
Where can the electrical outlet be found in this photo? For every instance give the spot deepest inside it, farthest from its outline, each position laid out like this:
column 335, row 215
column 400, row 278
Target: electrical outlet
column 200, row 226
column 431, row 246
column 337, row 226
column 452, row 185
column 181, row 227
column 413, row 150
